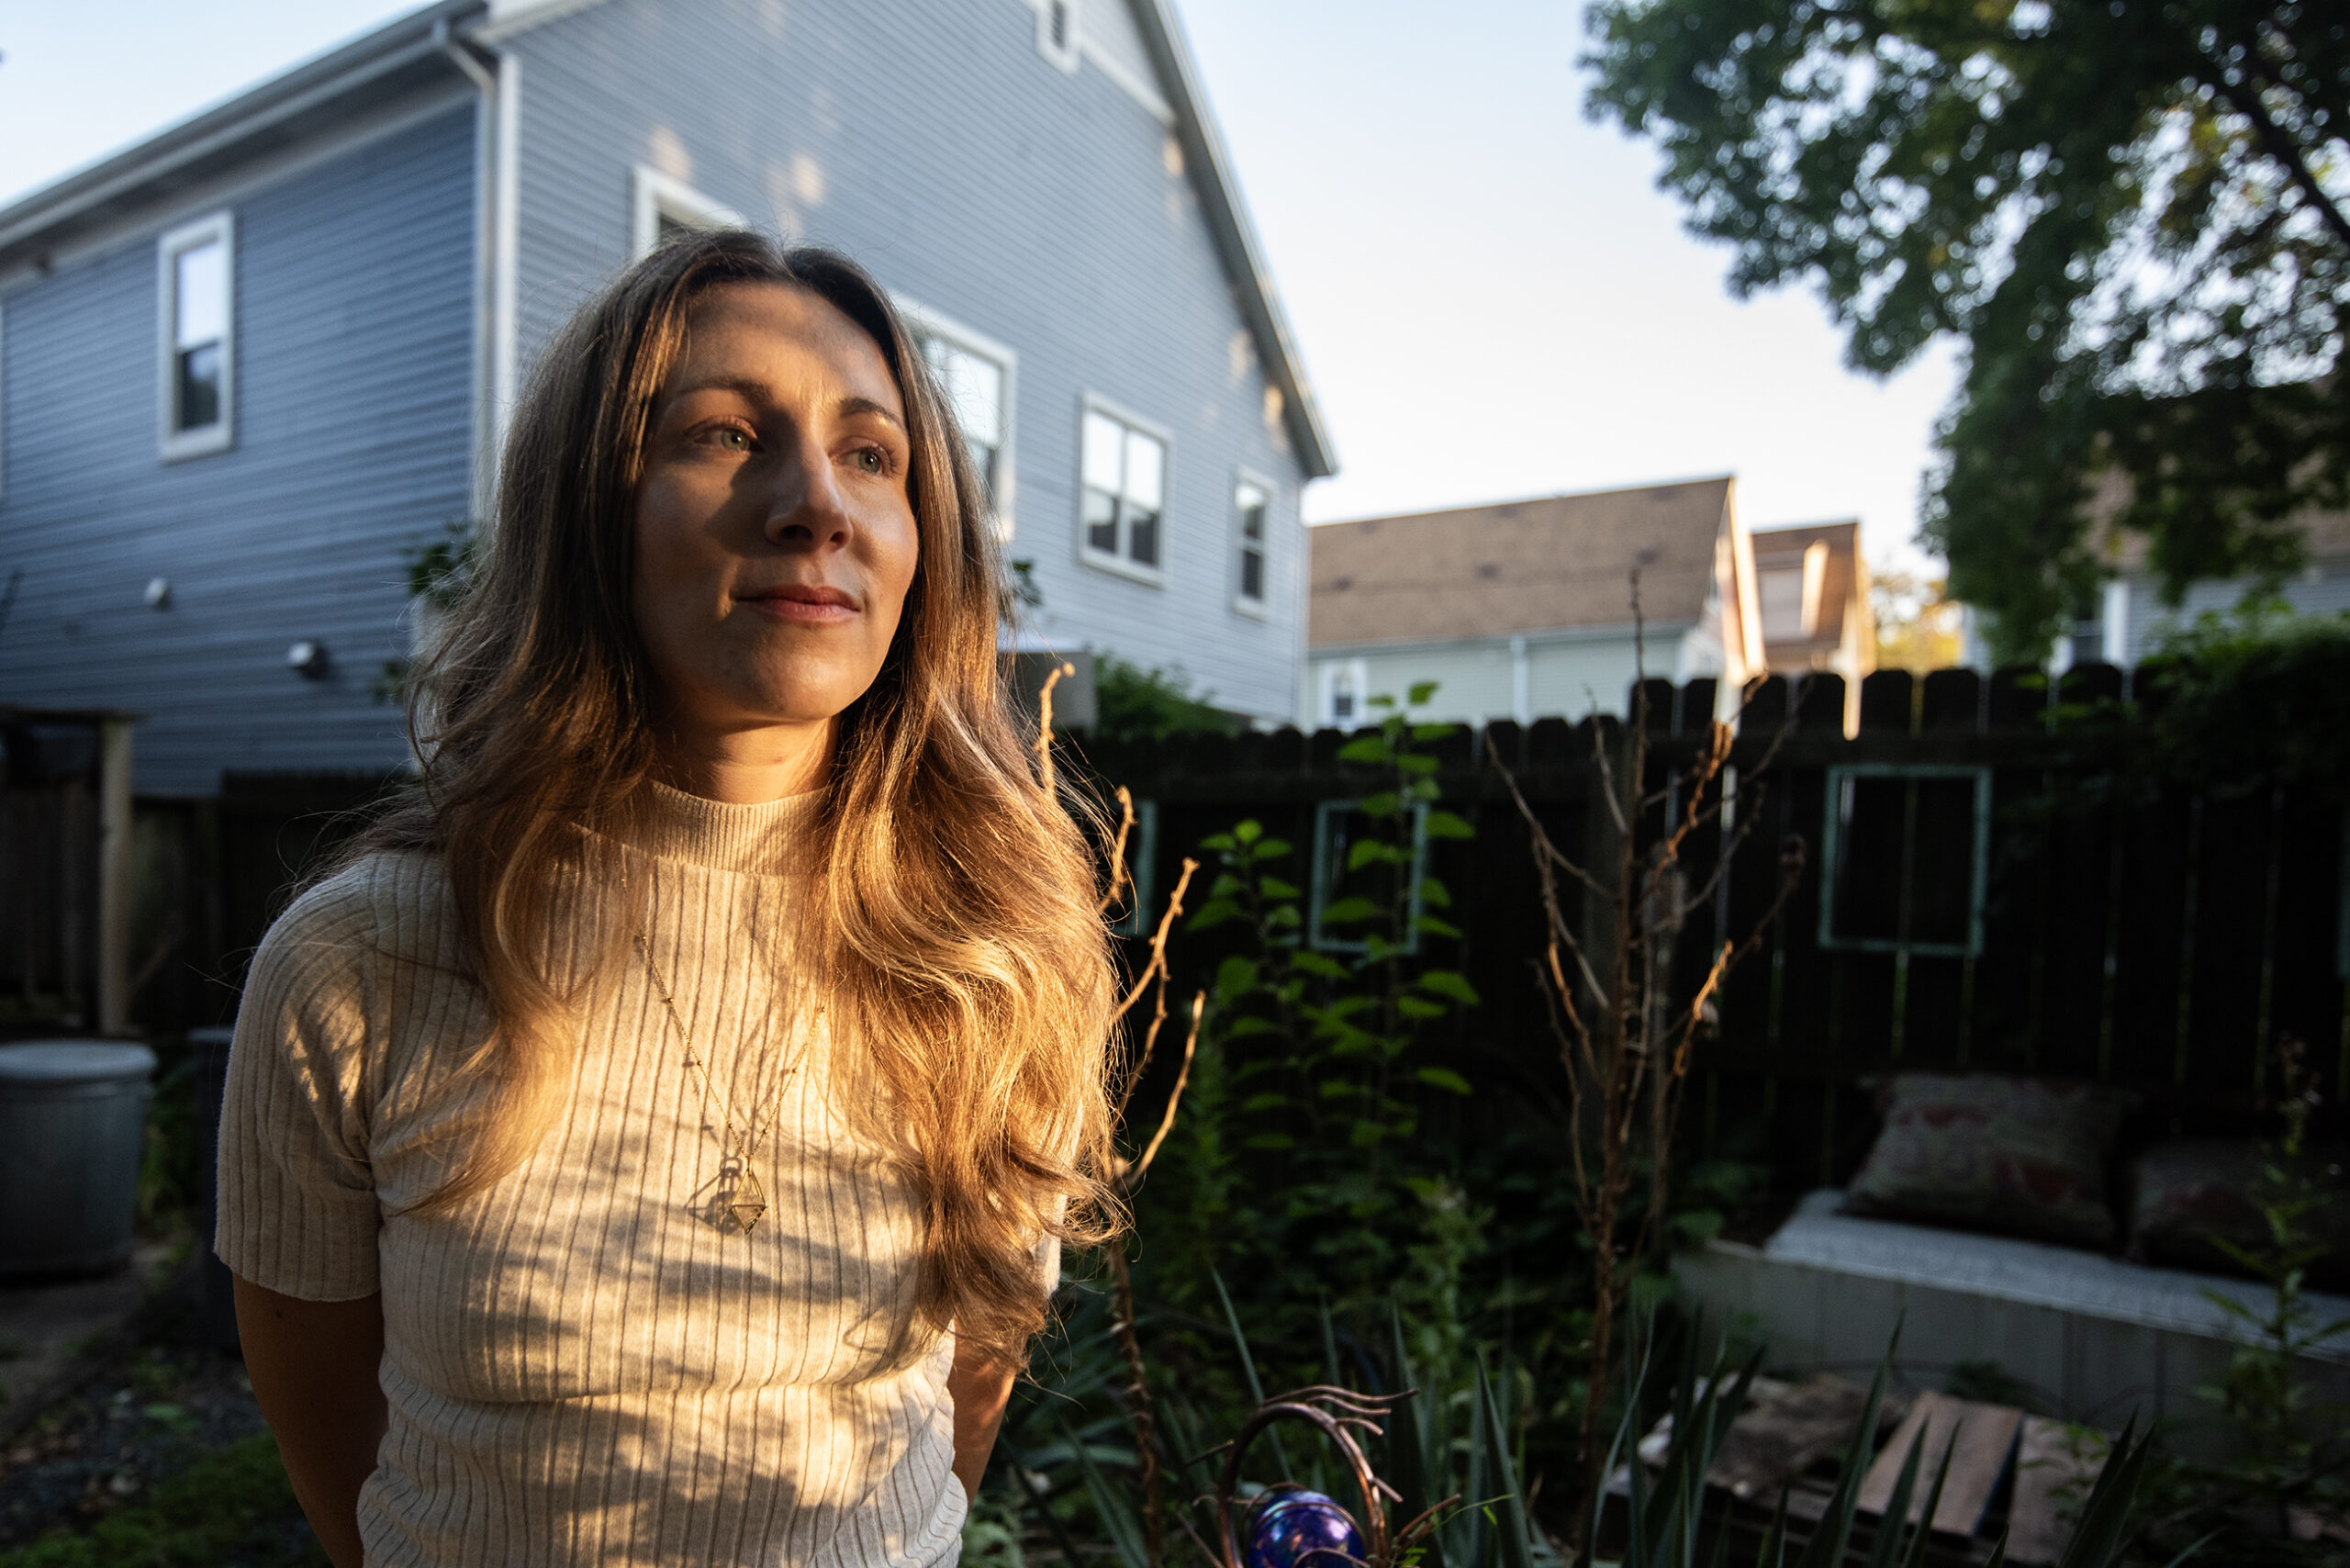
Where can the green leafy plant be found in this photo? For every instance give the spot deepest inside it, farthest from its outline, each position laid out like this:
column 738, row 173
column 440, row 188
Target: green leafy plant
column 1132, row 703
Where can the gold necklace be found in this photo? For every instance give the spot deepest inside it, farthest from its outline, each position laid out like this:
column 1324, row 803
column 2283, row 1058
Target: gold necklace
column 738, row 1196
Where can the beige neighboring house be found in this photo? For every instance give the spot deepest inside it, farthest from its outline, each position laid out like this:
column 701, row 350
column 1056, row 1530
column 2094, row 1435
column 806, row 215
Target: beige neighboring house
column 1523, row 609
column 1813, row 587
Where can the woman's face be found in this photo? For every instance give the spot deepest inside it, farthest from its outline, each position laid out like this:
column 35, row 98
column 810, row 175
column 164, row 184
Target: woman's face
column 775, row 540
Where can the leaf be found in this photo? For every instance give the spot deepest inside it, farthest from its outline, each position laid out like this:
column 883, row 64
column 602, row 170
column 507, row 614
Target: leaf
column 1233, row 977
column 1445, row 825
column 1271, row 849
column 1366, row 1135
column 1420, row 1008
column 1338, row 1088
column 1318, row 965
column 1348, row 910
column 1212, row 913
column 1448, row 982
column 1417, row 764
column 1434, row 894
column 1384, row 700
column 1226, row 885
column 1381, row 804
column 1424, row 790
column 1421, row 691
column 1222, row 842
column 1424, row 733
column 1242, row 1028
column 1274, row 888
column 1248, row 832
column 1256, row 1104
column 1430, row 925
column 1371, row 851
column 1444, row 1078
column 1372, row 750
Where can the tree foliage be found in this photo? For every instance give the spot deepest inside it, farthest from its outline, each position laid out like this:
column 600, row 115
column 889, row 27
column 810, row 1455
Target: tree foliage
column 2135, row 214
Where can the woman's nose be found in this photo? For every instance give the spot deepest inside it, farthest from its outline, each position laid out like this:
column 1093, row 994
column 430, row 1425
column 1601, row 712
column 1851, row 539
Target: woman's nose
column 804, row 500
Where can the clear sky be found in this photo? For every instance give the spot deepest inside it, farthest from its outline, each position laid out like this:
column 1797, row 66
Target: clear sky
column 1492, row 298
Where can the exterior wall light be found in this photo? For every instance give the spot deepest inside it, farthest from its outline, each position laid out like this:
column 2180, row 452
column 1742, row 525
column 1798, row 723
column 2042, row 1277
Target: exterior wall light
column 308, row 659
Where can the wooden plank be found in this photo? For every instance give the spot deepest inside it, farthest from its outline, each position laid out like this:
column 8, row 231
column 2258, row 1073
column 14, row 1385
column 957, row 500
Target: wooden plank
column 1785, row 1432
column 2055, row 1470
column 1985, row 1443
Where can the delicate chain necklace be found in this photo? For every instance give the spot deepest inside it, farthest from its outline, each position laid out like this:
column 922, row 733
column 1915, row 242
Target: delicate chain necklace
column 738, row 1197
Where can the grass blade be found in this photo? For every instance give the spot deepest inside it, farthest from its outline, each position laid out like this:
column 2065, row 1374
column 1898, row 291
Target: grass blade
column 1117, row 1521
column 1517, row 1543
column 1248, row 1370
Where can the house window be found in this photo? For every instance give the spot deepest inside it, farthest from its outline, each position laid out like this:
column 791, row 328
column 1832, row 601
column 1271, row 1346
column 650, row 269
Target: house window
column 1906, row 853
column 1250, row 503
column 1343, row 694
column 1124, row 492
column 1057, row 31
column 665, row 206
column 977, row 374
column 196, row 286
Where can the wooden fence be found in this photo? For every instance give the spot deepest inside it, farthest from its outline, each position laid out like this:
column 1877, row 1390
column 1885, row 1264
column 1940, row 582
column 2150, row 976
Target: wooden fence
column 1970, row 904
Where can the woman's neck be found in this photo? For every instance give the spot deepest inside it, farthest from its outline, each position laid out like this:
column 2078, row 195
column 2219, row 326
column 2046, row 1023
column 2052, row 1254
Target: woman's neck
column 746, row 767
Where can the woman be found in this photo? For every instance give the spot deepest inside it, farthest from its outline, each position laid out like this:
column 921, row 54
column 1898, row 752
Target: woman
column 655, row 1145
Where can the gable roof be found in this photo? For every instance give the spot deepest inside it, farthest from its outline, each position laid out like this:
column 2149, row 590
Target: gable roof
column 415, row 47
column 282, row 111
column 1547, row 565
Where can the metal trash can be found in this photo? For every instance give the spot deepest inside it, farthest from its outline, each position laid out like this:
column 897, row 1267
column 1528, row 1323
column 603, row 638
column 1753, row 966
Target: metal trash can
column 72, row 1129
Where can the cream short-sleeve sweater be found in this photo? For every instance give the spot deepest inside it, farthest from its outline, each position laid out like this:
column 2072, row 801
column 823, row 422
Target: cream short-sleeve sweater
column 580, row 1369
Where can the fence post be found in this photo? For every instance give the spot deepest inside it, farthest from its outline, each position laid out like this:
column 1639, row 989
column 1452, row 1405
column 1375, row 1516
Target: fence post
column 114, row 874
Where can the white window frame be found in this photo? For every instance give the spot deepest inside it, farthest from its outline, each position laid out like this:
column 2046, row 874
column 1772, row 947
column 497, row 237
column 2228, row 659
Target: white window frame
column 4, row 400
column 658, row 196
column 1065, row 55
column 1260, row 607
column 924, row 322
column 1325, row 701
column 1120, row 564
column 172, row 443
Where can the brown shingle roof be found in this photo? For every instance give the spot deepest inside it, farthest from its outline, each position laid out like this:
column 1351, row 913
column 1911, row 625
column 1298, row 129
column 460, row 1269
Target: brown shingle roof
column 1534, row 565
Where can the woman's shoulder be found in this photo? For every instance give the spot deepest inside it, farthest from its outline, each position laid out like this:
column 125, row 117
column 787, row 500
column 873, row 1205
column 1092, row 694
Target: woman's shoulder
column 390, row 904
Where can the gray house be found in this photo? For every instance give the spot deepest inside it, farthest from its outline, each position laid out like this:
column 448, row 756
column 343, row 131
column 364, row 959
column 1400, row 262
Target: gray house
column 251, row 367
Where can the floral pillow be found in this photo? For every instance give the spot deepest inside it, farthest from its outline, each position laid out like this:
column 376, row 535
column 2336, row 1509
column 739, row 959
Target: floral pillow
column 2025, row 1156
column 2197, row 1206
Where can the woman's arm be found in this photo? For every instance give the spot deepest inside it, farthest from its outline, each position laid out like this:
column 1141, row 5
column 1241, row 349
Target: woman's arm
column 980, row 1387
column 313, row 1365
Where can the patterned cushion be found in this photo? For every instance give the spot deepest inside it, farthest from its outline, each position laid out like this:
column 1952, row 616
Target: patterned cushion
column 2025, row 1156
column 2194, row 1194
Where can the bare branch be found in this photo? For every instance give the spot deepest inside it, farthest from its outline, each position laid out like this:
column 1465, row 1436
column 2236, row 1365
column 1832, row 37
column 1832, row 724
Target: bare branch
column 1044, row 725
column 1119, row 879
column 1175, row 1098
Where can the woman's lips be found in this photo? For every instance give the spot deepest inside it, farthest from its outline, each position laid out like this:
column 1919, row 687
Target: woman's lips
column 804, row 606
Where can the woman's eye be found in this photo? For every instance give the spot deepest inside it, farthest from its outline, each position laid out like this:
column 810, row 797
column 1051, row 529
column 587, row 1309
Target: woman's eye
column 871, row 460
column 731, row 439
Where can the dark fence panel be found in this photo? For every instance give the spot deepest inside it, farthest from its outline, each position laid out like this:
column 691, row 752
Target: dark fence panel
column 2164, row 941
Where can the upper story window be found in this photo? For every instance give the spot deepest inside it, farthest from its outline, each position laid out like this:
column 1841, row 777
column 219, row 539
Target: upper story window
column 1343, row 683
column 977, row 374
column 1252, row 503
column 1125, row 490
column 665, row 206
column 197, row 293
column 1056, row 22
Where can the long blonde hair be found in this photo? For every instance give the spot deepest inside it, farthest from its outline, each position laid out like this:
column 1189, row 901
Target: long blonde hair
column 950, row 898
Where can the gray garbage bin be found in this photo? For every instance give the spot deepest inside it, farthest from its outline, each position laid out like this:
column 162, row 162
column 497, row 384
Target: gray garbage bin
column 73, row 1125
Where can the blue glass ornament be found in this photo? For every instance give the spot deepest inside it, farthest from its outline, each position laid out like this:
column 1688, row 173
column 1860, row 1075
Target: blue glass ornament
column 1294, row 1527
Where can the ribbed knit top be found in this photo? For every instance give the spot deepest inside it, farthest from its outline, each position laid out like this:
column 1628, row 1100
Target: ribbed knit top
column 580, row 1367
